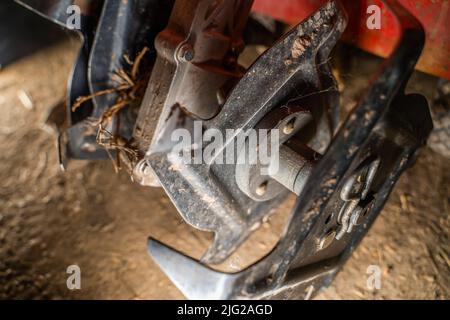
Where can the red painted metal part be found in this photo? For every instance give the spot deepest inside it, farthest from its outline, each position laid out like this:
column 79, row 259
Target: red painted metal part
column 433, row 14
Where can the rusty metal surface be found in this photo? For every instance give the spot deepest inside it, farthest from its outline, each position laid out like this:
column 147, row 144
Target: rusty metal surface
column 433, row 14
column 196, row 65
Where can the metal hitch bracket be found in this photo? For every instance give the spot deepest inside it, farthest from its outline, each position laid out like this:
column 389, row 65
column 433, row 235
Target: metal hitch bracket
column 343, row 192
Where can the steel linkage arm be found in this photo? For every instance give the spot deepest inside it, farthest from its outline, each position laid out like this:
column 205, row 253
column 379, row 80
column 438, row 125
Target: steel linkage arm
column 346, row 188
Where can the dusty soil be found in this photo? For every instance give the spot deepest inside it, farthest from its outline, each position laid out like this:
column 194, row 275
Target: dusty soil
column 97, row 219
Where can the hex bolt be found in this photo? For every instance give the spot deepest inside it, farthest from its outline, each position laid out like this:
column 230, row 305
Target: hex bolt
column 186, row 53
column 144, row 168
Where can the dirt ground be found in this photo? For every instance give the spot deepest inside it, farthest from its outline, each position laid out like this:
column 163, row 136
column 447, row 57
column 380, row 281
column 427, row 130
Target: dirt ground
column 99, row 220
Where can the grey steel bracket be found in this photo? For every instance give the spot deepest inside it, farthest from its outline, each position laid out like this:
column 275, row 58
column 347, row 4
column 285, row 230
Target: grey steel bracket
column 345, row 191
